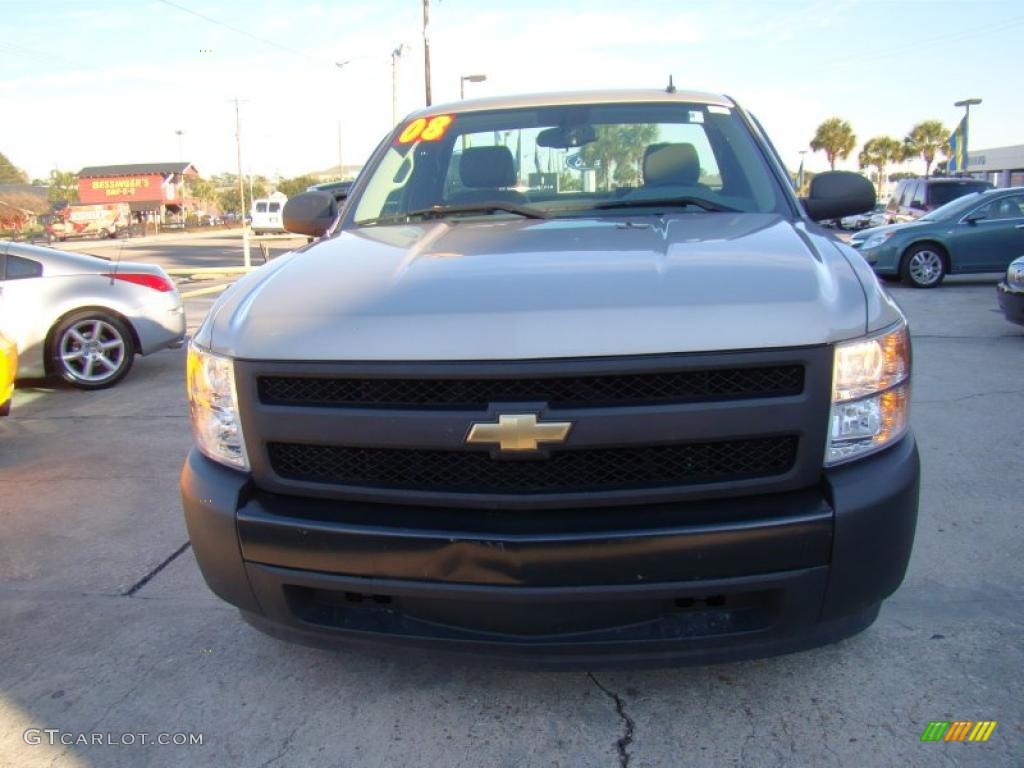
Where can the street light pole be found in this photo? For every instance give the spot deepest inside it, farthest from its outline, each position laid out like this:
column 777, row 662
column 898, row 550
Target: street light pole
column 246, row 257
column 180, row 134
column 341, row 171
column 966, row 104
column 341, row 168
column 463, row 79
column 395, row 56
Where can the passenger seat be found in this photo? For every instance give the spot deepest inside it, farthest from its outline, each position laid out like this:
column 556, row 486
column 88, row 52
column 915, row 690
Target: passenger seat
column 672, row 165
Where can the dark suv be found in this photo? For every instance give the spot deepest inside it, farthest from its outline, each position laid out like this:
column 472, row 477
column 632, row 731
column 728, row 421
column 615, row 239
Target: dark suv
column 916, row 197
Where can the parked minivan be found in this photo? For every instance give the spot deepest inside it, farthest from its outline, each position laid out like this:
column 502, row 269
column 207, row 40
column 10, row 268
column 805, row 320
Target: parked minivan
column 916, row 197
column 266, row 214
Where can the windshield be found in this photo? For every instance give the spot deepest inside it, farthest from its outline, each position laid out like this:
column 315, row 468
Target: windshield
column 956, row 207
column 569, row 160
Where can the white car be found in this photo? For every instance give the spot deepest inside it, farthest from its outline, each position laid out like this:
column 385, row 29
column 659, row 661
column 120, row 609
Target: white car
column 82, row 317
column 873, row 218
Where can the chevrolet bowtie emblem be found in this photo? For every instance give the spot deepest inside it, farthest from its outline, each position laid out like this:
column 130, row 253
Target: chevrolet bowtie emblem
column 518, row 432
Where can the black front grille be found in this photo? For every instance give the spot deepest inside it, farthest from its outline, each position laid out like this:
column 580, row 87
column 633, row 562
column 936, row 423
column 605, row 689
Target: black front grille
column 558, row 392
column 604, row 469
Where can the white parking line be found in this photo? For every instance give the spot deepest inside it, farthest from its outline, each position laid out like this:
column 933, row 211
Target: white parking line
column 204, row 291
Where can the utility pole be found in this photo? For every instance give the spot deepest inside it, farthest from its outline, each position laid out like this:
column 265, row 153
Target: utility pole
column 426, row 48
column 246, row 257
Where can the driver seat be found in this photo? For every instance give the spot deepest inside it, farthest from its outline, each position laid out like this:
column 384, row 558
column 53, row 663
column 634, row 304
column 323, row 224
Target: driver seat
column 487, row 172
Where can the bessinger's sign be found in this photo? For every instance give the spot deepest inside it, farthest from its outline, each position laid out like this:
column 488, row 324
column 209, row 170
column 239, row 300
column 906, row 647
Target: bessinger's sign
column 120, row 187
column 137, row 188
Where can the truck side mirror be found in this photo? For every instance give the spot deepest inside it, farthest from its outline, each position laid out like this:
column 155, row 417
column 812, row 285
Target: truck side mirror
column 310, row 213
column 835, row 194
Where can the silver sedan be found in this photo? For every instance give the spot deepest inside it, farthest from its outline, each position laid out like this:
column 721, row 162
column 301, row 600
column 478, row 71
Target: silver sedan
column 82, row 317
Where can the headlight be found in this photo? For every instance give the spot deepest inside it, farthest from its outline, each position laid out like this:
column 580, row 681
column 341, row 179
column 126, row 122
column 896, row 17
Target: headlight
column 1015, row 275
column 213, row 407
column 876, row 240
column 870, row 395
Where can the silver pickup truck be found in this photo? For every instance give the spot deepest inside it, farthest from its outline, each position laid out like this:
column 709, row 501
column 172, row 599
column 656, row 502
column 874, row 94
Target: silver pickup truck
column 567, row 377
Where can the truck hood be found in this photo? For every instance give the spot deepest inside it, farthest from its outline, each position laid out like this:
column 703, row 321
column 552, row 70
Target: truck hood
column 500, row 289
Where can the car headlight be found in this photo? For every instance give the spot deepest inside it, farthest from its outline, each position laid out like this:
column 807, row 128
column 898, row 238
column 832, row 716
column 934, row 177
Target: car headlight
column 213, row 407
column 1015, row 274
column 870, row 395
column 876, row 240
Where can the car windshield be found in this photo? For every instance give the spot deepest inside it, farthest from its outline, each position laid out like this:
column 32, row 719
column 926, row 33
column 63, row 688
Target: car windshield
column 955, row 208
column 571, row 160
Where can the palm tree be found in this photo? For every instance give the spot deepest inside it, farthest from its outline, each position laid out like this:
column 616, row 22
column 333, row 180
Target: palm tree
column 926, row 140
column 878, row 153
column 836, row 138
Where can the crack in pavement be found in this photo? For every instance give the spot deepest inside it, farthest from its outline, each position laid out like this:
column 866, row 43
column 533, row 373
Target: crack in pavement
column 69, row 478
column 629, row 726
column 146, row 579
column 103, row 417
column 971, row 396
column 942, row 337
column 283, row 750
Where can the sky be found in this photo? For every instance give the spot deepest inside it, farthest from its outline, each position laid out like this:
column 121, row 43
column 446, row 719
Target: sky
column 94, row 82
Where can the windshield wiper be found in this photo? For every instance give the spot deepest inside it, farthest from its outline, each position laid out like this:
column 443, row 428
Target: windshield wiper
column 440, row 211
column 663, row 202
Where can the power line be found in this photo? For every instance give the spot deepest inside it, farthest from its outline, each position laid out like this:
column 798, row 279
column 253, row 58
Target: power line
column 22, row 51
column 948, row 37
column 241, row 31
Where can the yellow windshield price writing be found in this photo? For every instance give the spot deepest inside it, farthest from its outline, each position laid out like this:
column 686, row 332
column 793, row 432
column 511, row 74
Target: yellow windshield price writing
column 426, row 130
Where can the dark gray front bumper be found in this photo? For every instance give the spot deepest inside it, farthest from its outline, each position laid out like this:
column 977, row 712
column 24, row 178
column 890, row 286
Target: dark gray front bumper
column 697, row 582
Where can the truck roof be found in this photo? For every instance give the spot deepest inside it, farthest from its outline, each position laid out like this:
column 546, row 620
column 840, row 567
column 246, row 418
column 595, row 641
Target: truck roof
column 607, row 96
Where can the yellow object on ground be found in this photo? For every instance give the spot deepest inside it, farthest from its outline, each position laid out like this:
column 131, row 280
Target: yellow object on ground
column 8, row 368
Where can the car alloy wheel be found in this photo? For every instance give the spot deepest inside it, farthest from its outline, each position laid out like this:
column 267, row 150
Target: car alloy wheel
column 924, row 267
column 93, row 350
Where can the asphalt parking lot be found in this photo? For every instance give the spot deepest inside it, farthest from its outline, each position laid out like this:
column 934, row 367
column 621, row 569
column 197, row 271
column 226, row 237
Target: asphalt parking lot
column 106, row 625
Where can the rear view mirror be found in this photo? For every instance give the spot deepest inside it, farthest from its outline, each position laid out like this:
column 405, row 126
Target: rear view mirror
column 311, row 213
column 566, row 137
column 835, row 194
